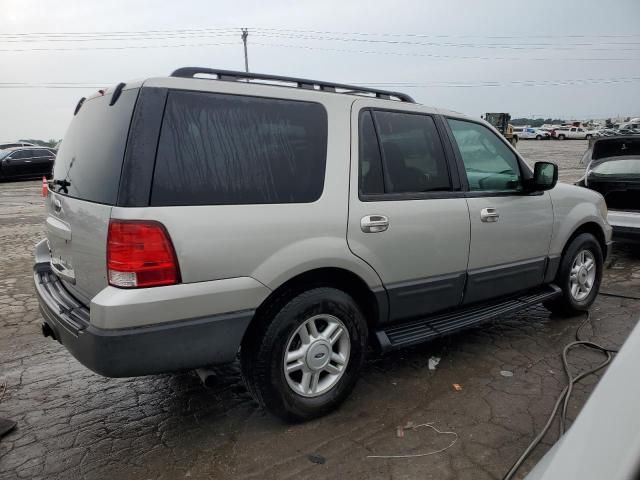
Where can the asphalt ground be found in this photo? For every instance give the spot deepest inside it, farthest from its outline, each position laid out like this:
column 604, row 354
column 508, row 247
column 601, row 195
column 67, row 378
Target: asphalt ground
column 494, row 387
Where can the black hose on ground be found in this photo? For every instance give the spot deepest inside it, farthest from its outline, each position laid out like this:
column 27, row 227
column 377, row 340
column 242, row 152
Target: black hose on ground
column 565, row 395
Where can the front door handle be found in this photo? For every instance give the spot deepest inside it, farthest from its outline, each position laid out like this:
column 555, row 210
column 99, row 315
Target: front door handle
column 489, row 215
column 374, row 223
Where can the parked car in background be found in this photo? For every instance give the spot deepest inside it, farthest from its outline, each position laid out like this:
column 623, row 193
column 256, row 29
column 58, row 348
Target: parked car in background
column 605, row 132
column 632, row 125
column 296, row 223
column 628, row 131
column 26, row 162
column 613, row 170
column 572, row 133
column 6, row 145
column 529, row 133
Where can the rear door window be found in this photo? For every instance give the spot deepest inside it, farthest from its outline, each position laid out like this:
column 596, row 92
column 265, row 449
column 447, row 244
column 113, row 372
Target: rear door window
column 89, row 161
column 412, row 153
column 21, row 155
column 218, row 149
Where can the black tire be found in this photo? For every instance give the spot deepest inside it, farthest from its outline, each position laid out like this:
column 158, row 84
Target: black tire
column 262, row 353
column 567, row 304
column 538, row 137
column 588, row 136
column 561, row 137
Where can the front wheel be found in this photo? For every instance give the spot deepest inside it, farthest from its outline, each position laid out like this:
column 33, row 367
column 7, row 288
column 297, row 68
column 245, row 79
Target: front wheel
column 538, row 137
column 579, row 276
column 561, row 137
column 303, row 360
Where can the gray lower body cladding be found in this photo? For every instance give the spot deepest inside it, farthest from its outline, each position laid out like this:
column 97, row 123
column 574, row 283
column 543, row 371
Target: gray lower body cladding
column 174, row 346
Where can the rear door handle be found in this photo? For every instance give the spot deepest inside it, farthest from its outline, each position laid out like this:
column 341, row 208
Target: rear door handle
column 374, row 223
column 489, row 215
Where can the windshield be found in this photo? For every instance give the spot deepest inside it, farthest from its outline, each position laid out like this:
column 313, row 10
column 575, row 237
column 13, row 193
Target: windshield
column 4, row 153
column 625, row 167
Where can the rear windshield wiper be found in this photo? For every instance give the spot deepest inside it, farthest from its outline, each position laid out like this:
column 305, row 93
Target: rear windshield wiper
column 62, row 184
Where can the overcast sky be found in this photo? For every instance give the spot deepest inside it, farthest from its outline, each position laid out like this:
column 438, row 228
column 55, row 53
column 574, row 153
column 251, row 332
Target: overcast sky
column 562, row 59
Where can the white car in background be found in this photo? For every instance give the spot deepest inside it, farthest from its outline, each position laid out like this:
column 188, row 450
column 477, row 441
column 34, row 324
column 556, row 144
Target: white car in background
column 528, row 133
column 573, row 133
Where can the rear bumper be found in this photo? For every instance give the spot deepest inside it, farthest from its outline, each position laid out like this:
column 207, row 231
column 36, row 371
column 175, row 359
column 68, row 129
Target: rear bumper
column 127, row 352
column 625, row 225
column 626, row 235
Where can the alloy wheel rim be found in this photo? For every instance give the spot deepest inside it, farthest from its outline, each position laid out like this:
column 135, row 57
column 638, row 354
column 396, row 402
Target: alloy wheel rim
column 317, row 355
column 583, row 275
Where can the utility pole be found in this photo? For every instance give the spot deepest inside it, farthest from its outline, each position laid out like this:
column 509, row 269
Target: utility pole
column 245, row 34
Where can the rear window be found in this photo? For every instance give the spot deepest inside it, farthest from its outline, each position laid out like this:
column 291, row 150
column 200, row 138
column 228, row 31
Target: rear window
column 89, row 161
column 218, row 149
column 616, row 147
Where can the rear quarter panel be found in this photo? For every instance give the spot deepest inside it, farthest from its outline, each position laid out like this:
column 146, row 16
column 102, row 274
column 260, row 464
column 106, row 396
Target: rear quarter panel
column 271, row 242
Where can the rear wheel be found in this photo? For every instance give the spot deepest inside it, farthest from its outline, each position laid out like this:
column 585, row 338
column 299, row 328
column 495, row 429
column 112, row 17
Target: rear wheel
column 303, row 359
column 538, row 137
column 579, row 276
column 561, row 137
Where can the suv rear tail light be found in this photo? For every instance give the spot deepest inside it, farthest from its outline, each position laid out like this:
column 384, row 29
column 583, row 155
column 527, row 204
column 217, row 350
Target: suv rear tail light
column 140, row 254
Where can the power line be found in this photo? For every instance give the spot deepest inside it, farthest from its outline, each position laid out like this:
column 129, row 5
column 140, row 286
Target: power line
column 379, row 34
column 439, row 56
column 308, row 47
column 228, row 33
column 515, row 83
column 421, row 35
column 120, row 47
column 121, row 32
column 445, row 84
column 540, row 46
column 115, row 39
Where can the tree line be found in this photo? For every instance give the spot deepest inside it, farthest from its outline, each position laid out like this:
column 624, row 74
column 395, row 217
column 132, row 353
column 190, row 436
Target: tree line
column 52, row 142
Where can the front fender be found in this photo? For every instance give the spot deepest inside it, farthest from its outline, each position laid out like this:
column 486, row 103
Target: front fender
column 573, row 207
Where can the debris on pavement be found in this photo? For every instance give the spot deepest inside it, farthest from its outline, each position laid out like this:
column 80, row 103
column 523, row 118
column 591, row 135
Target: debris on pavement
column 207, row 377
column 457, row 387
column 6, row 426
column 506, row 373
column 433, row 362
column 416, row 455
column 316, row 458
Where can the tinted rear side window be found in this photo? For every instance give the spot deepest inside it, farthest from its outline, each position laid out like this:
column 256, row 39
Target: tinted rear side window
column 22, row 154
column 90, row 157
column 370, row 176
column 219, row 149
column 412, row 153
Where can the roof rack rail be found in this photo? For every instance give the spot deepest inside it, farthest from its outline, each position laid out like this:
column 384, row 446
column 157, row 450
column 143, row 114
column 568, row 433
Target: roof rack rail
column 230, row 75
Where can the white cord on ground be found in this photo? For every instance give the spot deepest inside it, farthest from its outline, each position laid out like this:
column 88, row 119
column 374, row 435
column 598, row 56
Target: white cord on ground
column 416, row 455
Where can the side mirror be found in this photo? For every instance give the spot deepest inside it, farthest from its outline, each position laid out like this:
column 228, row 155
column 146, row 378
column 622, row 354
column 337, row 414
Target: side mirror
column 545, row 176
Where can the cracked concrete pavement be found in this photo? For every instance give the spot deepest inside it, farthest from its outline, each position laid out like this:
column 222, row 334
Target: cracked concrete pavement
column 75, row 424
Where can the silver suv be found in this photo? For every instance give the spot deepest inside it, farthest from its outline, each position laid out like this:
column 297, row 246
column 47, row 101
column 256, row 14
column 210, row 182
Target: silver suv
column 207, row 214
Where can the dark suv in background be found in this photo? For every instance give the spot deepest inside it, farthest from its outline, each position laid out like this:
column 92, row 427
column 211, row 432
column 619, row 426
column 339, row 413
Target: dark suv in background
column 26, row 162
